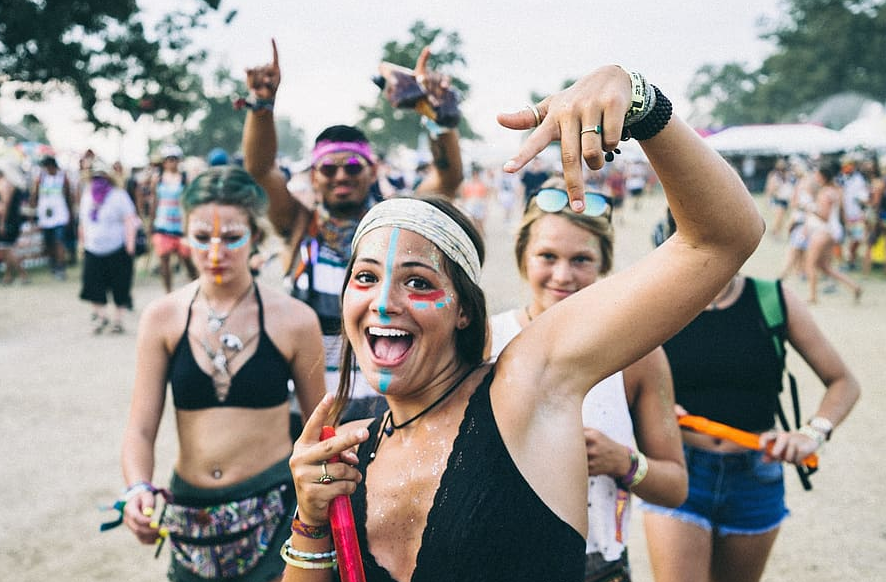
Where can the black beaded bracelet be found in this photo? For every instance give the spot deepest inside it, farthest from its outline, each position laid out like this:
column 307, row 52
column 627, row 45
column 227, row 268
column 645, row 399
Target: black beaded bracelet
column 654, row 121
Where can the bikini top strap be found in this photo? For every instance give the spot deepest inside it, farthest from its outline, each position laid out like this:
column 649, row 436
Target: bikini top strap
column 261, row 308
column 190, row 308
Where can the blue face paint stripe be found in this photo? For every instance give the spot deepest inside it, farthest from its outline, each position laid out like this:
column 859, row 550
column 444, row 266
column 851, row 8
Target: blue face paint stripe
column 389, row 269
column 384, row 380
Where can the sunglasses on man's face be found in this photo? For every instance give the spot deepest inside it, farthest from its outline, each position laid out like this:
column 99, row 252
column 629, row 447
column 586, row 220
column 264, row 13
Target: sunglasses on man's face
column 555, row 200
column 352, row 166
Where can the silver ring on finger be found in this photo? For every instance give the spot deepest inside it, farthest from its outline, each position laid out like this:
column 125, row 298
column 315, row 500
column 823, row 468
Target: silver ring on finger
column 534, row 109
column 325, row 478
column 598, row 129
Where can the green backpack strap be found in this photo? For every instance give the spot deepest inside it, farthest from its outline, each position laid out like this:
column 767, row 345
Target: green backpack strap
column 772, row 306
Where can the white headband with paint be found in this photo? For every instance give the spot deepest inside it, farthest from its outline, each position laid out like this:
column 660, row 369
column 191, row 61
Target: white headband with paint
column 428, row 221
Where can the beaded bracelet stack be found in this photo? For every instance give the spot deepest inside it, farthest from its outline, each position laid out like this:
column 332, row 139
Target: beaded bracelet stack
column 308, row 560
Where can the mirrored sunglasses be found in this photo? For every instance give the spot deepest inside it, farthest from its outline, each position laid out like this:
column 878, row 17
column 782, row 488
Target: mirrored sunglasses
column 232, row 242
column 352, row 166
column 555, row 200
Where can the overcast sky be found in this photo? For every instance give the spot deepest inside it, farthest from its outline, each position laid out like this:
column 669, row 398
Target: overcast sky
column 329, row 51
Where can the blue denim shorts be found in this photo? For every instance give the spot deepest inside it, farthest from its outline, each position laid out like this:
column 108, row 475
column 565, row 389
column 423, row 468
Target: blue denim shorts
column 730, row 493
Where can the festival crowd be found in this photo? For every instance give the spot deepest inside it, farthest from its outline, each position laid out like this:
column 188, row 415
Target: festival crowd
column 449, row 418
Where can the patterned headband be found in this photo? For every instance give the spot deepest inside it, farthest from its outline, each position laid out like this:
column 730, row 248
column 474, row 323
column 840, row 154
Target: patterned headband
column 326, row 147
column 428, row 221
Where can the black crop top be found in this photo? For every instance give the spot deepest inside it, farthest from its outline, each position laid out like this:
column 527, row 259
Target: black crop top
column 725, row 367
column 262, row 382
column 486, row 524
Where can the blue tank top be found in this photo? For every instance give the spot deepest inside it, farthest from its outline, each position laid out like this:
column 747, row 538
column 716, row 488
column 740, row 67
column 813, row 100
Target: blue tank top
column 168, row 219
column 262, row 382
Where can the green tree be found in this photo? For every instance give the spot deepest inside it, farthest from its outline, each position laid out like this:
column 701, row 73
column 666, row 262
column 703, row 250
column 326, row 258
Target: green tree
column 386, row 126
column 823, row 47
column 99, row 47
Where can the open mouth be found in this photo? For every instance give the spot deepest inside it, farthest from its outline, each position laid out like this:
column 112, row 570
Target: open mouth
column 389, row 345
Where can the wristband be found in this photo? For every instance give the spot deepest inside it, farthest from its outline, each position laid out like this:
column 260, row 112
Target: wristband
column 655, row 119
column 638, row 97
column 257, row 105
column 809, row 432
column 435, row 130
column 315, row 532
column 637, row 472
column 822, row 425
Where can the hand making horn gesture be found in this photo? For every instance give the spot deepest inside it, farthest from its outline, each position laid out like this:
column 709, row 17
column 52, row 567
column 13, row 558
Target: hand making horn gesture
column 587, row 118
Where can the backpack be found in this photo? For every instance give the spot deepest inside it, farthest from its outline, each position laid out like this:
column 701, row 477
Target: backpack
column 772, row 306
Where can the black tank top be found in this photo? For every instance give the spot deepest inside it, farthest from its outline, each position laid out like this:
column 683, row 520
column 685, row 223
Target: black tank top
column 486, row 523
column 262, row 382
column 725, row 366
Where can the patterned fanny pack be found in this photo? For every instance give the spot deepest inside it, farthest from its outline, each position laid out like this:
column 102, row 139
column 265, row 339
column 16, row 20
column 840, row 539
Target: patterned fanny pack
column 225, row 540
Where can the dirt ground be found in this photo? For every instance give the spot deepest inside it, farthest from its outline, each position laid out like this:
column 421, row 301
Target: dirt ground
column 64, row 396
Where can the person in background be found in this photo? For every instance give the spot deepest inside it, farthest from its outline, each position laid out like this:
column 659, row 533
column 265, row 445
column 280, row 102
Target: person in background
column 217, row 157
column 317, row 243
column 107, row 227
column 856, row 197
column 876, row 212
column 11, row 200
column 228, row 346
column 560, row 252
column 726, row 368
column 166, row 215
column 474, row 198
column 52, row 196
column 824, row 230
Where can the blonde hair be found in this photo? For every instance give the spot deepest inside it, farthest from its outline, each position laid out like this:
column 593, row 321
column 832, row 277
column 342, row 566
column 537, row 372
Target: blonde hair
column 599, row 226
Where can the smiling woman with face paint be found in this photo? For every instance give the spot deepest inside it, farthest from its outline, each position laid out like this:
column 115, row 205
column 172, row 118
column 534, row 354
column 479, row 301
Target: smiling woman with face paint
column 479, row 471
column 229, row 348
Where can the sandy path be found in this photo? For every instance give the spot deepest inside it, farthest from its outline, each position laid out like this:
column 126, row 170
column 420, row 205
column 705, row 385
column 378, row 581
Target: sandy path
column 65, row 395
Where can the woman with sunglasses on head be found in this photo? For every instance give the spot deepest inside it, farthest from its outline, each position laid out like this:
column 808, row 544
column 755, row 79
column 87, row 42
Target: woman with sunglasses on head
column 479, row 471
column 560, row 252
column 229, row 348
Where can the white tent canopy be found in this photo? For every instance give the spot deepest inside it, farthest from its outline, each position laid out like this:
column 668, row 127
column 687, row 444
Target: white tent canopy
column 774, row 140
column 868, row 132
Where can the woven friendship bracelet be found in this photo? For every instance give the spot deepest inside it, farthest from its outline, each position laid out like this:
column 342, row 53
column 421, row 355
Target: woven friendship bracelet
column 314, row 532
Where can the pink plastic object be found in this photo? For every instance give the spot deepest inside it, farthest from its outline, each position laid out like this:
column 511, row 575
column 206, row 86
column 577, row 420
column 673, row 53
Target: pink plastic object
column 344, row 531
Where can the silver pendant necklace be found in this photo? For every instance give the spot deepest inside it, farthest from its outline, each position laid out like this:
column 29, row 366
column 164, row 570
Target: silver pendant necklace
column 229, row 346
column 215, row 321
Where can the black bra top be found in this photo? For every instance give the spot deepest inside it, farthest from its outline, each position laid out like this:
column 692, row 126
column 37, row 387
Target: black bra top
column 262, row 382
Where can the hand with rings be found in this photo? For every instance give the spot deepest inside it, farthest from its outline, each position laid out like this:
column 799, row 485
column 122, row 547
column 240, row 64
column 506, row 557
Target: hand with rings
column 586, row 118
column 325, row 477
column 317, row 479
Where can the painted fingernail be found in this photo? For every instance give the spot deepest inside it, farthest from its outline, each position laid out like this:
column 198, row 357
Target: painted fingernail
column 148, row 511
column 509, row 166
column 577, row 205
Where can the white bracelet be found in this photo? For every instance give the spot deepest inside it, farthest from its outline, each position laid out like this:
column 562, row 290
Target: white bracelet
column 642, row 469
column 300, row 555
column 813, row 434
column 305, row 564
